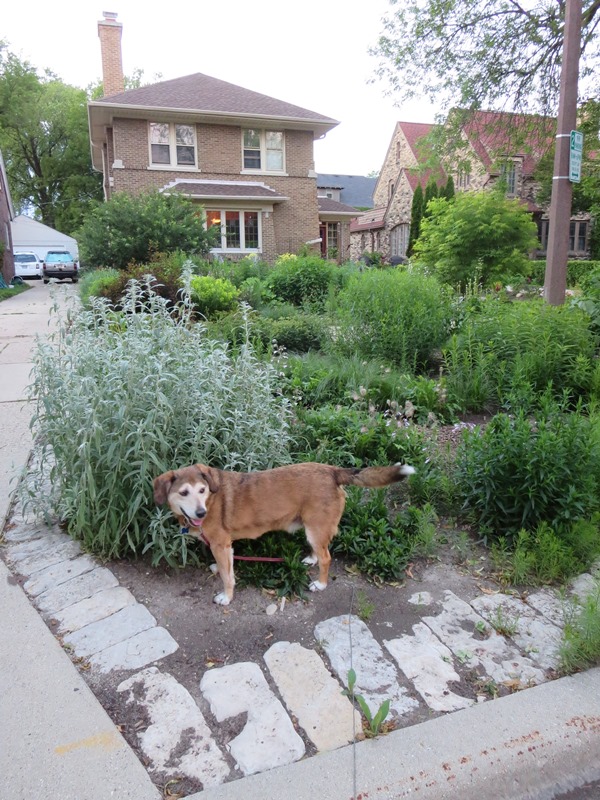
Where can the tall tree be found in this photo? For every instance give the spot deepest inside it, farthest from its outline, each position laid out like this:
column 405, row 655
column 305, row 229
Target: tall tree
column 416, row 215
column 474, row 54
column 45, row 142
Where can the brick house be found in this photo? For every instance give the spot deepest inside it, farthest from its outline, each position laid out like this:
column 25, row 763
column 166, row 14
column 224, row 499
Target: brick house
column 489, row 151
column 7, row 214
column 246, row 158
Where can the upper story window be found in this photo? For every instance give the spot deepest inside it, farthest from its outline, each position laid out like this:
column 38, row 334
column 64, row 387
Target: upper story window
column 508, row 173
column 263, row 150
column 172, row 145
column 463, row 180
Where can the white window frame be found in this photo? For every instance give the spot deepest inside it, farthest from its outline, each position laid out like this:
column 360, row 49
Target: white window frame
column 173, row 165
column 242, row 212
column 263, row 153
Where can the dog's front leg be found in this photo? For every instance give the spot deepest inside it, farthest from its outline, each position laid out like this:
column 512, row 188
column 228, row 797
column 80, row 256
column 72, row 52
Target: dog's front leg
column 224, row 557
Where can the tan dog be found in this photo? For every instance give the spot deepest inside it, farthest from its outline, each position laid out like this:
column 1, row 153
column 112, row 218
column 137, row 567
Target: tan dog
column 220, row 507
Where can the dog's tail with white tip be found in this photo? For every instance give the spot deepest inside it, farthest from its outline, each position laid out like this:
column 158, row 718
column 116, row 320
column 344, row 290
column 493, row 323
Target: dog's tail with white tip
column 374, row 477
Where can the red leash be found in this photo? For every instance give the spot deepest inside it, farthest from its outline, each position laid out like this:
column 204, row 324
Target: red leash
column 185, row 532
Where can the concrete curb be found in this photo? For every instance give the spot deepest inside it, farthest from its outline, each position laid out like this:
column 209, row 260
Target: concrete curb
column 527, row 746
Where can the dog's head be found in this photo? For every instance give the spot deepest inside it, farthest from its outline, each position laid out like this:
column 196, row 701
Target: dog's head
column 187, row 491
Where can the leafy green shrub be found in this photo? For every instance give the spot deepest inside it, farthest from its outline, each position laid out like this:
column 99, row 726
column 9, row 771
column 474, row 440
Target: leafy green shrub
column 118, row 405
column 95, row 283
column 509, row 353
column 300, row 280
column 394, row 315
column 349, row 437
column 130, row 228
column 378, row 543
column 212, row 295
column 519, row 473
column 299, row 333
column 166, row 272
column 480, row 234
column 543, row 556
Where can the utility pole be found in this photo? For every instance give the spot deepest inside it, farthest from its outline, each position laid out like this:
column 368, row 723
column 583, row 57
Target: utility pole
column 562, row 190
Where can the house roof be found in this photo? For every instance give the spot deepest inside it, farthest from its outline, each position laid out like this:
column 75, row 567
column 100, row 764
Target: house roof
column 497, row 133
column 369, row 220
column 230, row 190
column 355, row 190
column 331, row 208
column 200, row 97
column 413, row 131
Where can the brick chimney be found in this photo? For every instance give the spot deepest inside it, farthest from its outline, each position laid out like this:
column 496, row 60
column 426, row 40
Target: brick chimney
column 109, row 31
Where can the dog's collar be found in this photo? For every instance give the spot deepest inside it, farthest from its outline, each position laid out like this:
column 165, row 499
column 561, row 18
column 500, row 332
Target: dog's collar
column 184, row 530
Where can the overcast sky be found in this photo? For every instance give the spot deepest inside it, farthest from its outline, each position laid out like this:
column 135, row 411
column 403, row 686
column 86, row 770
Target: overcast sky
column 312, row 53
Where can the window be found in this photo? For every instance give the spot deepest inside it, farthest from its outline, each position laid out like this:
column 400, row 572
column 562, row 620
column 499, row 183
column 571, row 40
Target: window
column 172, row 145
column 577, row 236
column 508, row 173
column 333, row 243
column 263, row 150
column 240, row 230
column 463, row 180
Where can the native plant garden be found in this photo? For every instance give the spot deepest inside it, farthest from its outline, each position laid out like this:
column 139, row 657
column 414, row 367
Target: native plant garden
column 490, row 393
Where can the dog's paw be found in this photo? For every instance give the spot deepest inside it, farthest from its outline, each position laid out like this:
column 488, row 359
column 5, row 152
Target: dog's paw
column 221, row 599
column 214, row 569
column 317, row 586
column 310, row 560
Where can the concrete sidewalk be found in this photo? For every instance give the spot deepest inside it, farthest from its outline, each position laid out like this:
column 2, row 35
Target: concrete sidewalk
column 58, row 742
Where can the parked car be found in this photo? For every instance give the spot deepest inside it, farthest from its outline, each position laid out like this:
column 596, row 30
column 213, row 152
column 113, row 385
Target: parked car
column 28, row 265
column 60, row 264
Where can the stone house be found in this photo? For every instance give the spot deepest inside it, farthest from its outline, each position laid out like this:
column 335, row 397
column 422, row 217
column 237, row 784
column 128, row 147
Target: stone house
column 7, row 214
column 494, row 146
column 245, row 158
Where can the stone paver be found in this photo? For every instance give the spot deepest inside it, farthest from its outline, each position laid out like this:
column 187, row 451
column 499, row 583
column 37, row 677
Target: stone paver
column 178, row 740
column 75, row 590
column 140, row 650
column 312, row 695
column 45, row 579
column 42, row 559
column 534, row 634
column 94, row 608
column 349, row 644
column 457, row 626
column 109, row 631
column 23, row 531
column 38, row 544
column 268, row 738
column 428, row 664
column 551, row 604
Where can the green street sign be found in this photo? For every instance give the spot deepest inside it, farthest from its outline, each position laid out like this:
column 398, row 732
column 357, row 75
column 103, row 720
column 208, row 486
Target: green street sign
column 575, row 155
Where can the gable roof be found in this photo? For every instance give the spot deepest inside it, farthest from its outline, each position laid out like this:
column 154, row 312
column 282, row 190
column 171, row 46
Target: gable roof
column 413, row 131
column 355, row 190
column 492, row 134
column 369, row 220
column 200, row 97
column 327, row 206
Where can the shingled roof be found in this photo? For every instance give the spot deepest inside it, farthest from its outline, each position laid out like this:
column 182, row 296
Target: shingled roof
column 204, row 94
column 230, row 190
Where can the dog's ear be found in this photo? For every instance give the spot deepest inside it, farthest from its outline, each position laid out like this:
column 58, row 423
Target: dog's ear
column 161, row 485
column 211, row 476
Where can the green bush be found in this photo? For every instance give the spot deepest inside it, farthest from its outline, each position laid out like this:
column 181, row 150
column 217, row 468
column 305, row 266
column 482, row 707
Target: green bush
column 381, row 544
column 212, row 296
column 395, row 315
column 118, row 405
column 96, row 283
column 302, row 279
column 130, row 228
column 299, row 333
column 509, row 353
column 519, row 473
column 479, row 235
column 166, row 272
